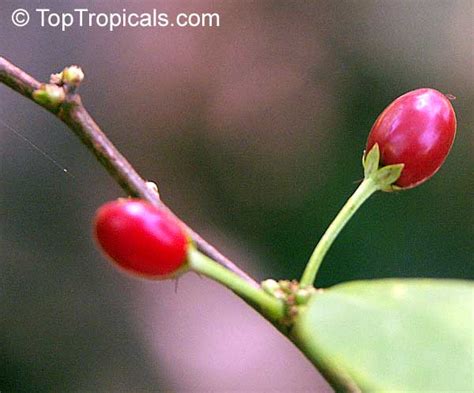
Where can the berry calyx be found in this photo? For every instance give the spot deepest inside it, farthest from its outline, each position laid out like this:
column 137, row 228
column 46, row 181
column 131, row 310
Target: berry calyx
column 417, row 130
column 141, row 238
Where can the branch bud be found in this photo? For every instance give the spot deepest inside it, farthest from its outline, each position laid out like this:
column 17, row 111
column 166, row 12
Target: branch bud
column 50, row 96
column 56, row 79
column 72, row 75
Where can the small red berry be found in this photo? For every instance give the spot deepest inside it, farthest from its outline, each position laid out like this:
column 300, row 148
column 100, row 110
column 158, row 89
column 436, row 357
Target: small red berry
column 417, row 129
column 141, row 238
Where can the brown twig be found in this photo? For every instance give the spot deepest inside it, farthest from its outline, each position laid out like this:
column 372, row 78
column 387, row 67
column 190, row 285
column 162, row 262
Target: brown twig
column 75, row 116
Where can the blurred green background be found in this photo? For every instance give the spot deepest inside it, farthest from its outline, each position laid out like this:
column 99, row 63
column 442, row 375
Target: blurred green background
column 254, row 132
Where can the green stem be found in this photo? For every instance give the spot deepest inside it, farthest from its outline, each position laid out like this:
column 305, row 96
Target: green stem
column 272, row 308
column 363, row 192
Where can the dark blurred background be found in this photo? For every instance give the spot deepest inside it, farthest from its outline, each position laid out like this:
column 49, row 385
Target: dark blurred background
column 254, row 132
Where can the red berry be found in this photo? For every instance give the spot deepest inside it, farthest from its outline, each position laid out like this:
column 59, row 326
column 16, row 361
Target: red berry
column 141, row 238
column 417, row 129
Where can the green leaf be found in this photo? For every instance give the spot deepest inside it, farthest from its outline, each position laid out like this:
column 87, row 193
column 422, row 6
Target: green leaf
column 392, row 335
column 385, row 176
column 371, row 161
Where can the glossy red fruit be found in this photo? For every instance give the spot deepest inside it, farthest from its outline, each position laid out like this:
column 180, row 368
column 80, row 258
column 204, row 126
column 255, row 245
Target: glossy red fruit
column 141, row 238
column 417, row 129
